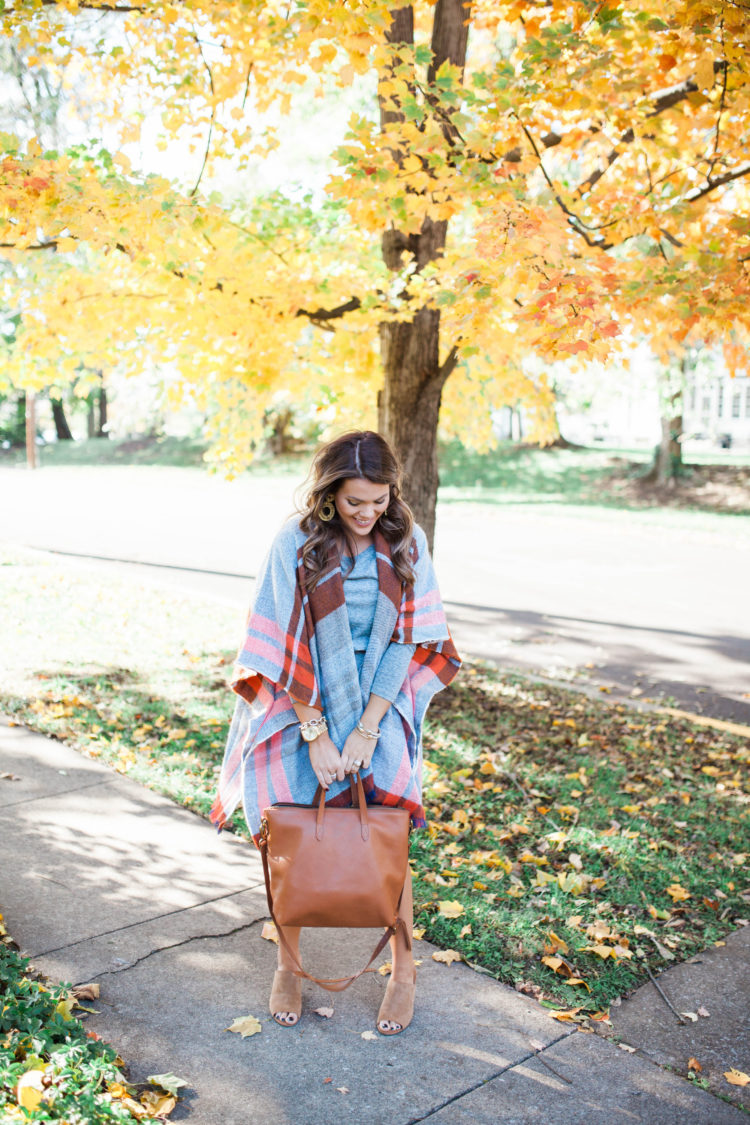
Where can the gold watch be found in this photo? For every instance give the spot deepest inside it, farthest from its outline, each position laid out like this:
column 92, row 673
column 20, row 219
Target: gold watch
column 312, row 728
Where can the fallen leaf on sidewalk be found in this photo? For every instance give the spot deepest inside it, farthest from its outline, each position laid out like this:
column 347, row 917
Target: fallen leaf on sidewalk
column 627, row 1047
column 447, row 956
column 9, row 777
column 158, row 1105
column 418, row 933
column 564, row 1014
column 704, row 1013
column 326, row 1081
column 245, row 1026
column 342, row 1089
column 369, row 1034
column 269, row 932
column 736, row 1077
column 386, row 968
column 690, row 1016
column 326, row 1013
column 169, row 1082
column 87, row 992
column 693, row 1064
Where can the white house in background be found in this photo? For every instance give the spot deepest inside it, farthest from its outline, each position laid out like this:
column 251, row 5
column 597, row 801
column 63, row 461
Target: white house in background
column 717, row 409
column 620, row 406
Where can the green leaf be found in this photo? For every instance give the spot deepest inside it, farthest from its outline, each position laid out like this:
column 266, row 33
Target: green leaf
column 169, row 1082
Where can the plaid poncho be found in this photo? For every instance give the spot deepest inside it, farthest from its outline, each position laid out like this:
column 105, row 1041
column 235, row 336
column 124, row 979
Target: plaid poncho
column 299, row 645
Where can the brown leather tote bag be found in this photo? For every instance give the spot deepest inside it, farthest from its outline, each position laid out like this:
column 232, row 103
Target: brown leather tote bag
column 335, row 867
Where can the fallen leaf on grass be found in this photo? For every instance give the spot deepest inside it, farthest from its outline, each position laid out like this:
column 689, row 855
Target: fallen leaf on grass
column 564, row 1014
column 529, row 989
column 465, row 931
column 556, row 943
column 29, row 1090
column 245, row 1026
column 677, row 893
column 447, row 956
column 87, row 992
column 65, row 1007
column 450, row 908
column 169, row 1082
column 736, row 1077
column 326, row 1013
column 418, row 934
column 693, row 1064
column 369, row 1035
column 269, row 932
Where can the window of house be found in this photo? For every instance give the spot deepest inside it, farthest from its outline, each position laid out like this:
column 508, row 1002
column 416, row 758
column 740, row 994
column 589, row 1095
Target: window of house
column 719, row 398
column 736, row 404
column 747, row 401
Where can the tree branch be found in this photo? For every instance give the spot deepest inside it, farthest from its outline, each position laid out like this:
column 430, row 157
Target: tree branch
column 322, row 316
column 727, row 178
column 448, row 366
column 213, row 114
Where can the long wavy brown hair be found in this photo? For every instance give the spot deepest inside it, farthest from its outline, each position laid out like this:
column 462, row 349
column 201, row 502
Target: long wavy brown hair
column 363, row 455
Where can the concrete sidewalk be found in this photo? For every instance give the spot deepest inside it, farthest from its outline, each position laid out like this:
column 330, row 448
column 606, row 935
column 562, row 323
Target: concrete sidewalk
column 104, row 880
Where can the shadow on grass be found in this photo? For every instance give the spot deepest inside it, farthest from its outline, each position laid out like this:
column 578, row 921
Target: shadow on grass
column 560, row 831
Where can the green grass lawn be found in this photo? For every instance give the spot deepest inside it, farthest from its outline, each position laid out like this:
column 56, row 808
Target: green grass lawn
column 510, row 474
column 572, row 846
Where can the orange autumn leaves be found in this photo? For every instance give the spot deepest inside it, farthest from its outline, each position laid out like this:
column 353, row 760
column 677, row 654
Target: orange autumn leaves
column 592, row 172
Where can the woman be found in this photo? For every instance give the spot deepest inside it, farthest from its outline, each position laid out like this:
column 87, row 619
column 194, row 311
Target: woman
column 346, row 644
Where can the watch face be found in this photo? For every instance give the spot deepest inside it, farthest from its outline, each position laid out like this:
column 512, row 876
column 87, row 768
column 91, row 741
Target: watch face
column 308, row 735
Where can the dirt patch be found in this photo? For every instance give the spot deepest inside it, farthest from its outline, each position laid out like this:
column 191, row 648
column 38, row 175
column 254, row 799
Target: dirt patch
column 712, row 488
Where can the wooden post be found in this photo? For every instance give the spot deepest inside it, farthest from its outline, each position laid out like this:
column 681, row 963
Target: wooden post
column 31, row 455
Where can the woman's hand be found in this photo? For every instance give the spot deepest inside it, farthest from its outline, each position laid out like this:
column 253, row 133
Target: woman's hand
column 357, row 753
column 325, row 760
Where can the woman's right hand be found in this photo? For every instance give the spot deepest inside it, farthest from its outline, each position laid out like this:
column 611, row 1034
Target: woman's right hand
column 325, row 760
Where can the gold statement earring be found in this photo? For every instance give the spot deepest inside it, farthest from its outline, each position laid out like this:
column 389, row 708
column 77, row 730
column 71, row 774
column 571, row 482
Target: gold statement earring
column 328, row 508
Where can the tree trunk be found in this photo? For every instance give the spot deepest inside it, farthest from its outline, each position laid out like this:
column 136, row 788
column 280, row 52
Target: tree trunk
column 410, row 406
column 61, row 422
column 668, row 459
column 31, row 456
column 413, row 374
column 103, row 431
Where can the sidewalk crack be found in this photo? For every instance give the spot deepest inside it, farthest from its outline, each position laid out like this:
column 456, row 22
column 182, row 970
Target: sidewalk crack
column 146, row 921
column 173, row 945
column 492, row 1077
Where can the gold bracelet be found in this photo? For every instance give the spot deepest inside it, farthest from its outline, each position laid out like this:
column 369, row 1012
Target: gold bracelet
column 372, row 735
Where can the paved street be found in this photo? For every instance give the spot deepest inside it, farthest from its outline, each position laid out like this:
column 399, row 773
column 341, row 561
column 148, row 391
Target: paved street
column 658, row 609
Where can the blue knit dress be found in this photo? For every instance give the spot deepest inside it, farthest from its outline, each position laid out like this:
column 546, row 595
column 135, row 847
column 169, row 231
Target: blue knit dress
column 361, row 594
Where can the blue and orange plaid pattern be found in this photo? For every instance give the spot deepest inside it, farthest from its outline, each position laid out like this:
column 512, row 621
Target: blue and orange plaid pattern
column 299, row 645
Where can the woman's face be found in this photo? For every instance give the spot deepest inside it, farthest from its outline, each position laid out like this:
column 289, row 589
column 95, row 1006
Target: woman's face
column 359, row 503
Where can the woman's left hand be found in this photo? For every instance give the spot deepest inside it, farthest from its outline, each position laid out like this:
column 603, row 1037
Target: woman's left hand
column 357, row 753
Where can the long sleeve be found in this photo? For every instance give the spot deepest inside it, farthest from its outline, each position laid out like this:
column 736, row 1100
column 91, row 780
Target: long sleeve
column 392, row 670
